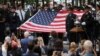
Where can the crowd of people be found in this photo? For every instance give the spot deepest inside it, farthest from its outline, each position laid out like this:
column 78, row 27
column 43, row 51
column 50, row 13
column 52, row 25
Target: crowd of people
column 34, row 46
column 28, row 45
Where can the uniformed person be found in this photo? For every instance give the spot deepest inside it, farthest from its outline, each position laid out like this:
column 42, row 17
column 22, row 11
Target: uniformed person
column 87, row 22
column 21, row 14
column 71, row 17
column 14, row 20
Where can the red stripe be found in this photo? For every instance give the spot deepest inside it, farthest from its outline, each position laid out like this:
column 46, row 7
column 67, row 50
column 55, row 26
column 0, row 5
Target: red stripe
column 63, row 11
column 57, row 25
column 23, row 26
column 42, row 27
column 39, row 29
column 60, row 17
column 78, row 11
column 44, row 31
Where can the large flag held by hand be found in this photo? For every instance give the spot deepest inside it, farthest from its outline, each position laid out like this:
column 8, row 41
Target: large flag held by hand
column 47, row 21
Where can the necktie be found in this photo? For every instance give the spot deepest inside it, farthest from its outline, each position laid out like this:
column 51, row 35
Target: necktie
column 21, row 16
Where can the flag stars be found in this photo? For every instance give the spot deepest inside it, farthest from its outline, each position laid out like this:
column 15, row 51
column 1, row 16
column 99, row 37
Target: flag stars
column 44, row 17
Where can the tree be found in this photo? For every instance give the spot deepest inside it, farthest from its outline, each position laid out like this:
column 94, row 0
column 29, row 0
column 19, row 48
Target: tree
column 47, row 1
column 1, row 1
column 29, row 1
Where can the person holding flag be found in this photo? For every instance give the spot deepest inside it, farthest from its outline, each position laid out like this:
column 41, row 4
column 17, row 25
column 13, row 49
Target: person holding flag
column 71, row 17
column 87, row 22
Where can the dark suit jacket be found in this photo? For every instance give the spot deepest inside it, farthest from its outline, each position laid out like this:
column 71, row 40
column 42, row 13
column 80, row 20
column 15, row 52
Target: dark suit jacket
column 90, row 25
column 14, row 20
column 88, row 18
column 70, row 21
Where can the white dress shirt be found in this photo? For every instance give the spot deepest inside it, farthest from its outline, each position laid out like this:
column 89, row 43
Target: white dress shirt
column 22, row 17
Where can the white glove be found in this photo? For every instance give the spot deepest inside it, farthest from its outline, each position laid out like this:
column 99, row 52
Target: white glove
column 76, row 22
column 83, row 23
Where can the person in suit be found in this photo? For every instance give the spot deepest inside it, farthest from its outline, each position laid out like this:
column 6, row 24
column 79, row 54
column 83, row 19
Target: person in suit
column 21, row 13
column 24, row 42
column 71, row 17
column 30, row 12
column 87, row 21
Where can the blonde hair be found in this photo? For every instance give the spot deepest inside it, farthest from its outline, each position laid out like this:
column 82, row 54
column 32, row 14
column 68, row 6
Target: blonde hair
column 73, row 46
column 26, row 34
column 7, row 39
column 88, row 44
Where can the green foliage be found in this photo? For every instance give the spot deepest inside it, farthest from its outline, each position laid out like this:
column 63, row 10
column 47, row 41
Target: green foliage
column 47, row 0
column 29, row 1
column 1, row 1
column 32, row 1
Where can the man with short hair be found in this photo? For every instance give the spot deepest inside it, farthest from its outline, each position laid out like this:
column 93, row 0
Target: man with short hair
column 21, row 13
column 25, row 41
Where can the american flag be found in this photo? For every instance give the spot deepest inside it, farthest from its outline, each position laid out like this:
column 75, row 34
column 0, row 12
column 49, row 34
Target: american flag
column 47, row 21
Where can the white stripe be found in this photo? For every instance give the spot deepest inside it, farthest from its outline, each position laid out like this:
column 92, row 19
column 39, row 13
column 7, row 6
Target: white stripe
column 63, row 26
column 61, row 14
column 78, row 14
column 59, row 19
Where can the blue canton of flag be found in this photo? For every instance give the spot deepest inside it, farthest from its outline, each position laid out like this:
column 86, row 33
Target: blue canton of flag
column 44, row 17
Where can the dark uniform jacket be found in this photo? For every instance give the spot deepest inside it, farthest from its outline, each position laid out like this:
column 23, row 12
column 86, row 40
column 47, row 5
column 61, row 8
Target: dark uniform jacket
column 88, row 19
column 70, row 21
column 89, row 27
column 3, row 21
column 14, row 20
